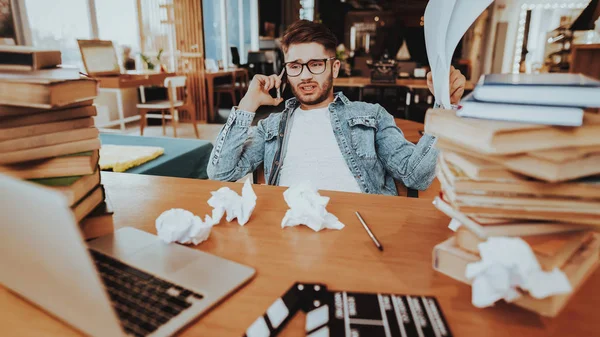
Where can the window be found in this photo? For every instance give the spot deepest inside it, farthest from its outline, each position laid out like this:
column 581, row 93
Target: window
column 235, row 26
column 59, row 23
column 118, row 21
column 248, row 31
column 231, row 18
column 307, row 12
column 212, row 29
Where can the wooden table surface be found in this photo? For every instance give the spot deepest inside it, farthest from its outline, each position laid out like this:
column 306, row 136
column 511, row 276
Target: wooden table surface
column 343, row 260
column 134, row 80
column 410, row 129
column 361, row 82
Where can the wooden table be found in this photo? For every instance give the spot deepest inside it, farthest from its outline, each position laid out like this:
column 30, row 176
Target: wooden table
column 133, row 80
column 362, row 82
column 122, row 86
column 410, row 129
column 344, row 260
column 210, row 85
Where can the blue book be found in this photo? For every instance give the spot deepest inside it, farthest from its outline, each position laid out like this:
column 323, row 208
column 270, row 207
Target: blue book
column 521, row 113
column 553, row 89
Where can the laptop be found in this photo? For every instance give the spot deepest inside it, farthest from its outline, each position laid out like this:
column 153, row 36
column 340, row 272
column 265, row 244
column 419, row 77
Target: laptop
column 99, row 57
column 129, row 283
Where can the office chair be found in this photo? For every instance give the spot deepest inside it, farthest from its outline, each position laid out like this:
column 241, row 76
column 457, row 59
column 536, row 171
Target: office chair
column 262, row 62
column 256, row 63
column 235, row 56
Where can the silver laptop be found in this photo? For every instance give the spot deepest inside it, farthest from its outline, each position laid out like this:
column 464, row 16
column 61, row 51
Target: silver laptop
column 129, row 283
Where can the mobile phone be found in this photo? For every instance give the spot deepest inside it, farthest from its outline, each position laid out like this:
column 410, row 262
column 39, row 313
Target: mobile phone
column 279, row 92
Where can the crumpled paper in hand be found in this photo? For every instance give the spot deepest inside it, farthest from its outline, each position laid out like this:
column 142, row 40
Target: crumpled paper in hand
column 180, row 225
column 307, row 207
column 508, row 264
column 225, row 200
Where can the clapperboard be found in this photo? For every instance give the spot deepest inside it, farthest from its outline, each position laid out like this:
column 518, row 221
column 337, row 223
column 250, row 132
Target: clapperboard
column 351, row 314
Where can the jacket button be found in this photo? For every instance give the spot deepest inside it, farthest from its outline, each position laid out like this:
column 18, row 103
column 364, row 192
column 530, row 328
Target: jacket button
column 277, row 162
column 281, row 134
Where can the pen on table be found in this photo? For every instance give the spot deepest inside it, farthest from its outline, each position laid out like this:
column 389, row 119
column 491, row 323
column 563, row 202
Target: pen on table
column 379, row 246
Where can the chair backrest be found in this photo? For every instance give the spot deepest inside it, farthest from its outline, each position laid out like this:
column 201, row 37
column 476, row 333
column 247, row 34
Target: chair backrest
column 172, row 83
column 235, row 56
column 242, row 77
column 175, row 81
column 261, row 62
column 257, row 57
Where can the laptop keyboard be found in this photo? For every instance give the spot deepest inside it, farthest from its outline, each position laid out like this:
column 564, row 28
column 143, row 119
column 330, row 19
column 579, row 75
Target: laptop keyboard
column 142, row 301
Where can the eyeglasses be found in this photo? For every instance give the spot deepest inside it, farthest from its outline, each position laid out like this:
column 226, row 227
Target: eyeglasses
column 316, row 67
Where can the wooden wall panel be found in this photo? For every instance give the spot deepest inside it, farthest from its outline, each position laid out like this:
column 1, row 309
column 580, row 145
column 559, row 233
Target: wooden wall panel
column 176, row 26
column 190, row 43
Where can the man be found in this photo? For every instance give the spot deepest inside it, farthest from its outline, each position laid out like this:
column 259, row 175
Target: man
column 320, row 136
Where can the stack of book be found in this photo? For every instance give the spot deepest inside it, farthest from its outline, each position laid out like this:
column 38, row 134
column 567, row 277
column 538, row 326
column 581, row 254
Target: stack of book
column 47, row 132
column 503, row 175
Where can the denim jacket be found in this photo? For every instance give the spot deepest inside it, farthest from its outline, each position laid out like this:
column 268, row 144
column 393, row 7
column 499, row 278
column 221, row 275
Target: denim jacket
column 372, row 145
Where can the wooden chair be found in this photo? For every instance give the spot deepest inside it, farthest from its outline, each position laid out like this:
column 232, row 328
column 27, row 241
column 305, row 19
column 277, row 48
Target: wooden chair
column 173, row 105
column 228, row 88
column 242, row 82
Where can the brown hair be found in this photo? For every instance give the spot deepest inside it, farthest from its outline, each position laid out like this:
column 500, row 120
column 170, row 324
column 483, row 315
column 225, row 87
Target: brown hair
column 304, row 31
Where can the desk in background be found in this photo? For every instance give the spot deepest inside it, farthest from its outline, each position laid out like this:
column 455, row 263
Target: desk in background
column 124, row 88
column 210, row 85
column 344, row 260
column 183, row 158
column 407, row 94
column 360, row 83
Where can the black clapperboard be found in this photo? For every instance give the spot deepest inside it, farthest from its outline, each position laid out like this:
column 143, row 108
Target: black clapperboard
column 352, row 314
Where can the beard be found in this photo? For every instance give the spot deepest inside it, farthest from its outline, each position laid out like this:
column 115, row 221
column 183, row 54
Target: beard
column 321, row 94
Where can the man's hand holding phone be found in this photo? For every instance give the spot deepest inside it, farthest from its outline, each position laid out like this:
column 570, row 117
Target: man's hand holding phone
column 258, row 92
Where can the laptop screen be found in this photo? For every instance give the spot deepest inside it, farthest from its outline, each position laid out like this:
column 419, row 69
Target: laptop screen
column 99, row 57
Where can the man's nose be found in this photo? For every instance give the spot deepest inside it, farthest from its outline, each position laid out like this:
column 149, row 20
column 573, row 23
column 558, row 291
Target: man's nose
column 306, row 74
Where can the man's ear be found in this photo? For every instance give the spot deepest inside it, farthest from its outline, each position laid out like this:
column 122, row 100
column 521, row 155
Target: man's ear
column 336, row 68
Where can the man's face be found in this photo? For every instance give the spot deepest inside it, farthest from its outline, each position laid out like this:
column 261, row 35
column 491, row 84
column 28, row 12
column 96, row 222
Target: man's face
column 309, row 88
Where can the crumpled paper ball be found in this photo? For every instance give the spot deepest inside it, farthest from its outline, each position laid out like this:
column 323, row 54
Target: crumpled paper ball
column 508, row 265
column 226, row 201
column 308, row 207
column 180, row 225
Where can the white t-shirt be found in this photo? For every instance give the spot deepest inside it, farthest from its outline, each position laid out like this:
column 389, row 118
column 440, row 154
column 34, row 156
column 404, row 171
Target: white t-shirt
column 313, row 154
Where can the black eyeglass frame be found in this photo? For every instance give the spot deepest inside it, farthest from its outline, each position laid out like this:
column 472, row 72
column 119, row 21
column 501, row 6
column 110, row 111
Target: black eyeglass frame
column 307, row 67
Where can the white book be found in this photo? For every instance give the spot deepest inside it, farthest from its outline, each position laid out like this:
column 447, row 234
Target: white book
column 531, row 114
column 573, row 90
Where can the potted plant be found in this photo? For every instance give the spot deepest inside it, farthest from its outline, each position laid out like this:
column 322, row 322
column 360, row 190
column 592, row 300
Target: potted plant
column 150, row 64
